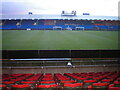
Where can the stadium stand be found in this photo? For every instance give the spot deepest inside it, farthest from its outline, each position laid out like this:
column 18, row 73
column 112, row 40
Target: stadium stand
column 65, row 81
column 50, row 73
column 48, row 22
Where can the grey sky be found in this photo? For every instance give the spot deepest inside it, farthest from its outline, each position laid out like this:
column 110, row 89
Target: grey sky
column 94, row 7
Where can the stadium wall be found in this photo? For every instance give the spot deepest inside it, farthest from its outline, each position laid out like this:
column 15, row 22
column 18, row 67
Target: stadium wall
column 61, row 69
column 49, row 24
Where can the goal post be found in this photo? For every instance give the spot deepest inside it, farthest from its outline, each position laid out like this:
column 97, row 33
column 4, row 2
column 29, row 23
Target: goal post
column 57, row 28
column 79, row 28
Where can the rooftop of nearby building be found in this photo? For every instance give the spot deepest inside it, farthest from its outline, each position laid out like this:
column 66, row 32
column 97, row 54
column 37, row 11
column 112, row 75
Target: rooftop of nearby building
column 48, row 16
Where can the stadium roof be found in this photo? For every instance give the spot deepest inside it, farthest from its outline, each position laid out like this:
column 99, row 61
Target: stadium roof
column 47, row 16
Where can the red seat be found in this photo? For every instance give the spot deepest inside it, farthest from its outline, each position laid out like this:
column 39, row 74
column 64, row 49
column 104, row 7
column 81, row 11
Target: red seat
column 118, row 79
column 82, row 78
column 27, row 82
column 111, row 87
column 4, row 87
column 47, row 79
column 114, row 88
column 73, row 85
column 17, row 75
column 97, row 78
column 47, row 82
column 116, row 82
column 89, row 81
column 8, row 82
column 64, row 79
column 107, row 80
column 100, row 84
column 70, row 81
column 21, row 86
column 1, row 85
column 47, row 86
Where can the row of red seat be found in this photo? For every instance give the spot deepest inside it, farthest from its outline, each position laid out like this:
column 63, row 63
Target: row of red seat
column 35, row 77
column 47, row 81
column 93, row 80
column 66, row 84
column 67, row 80
column 9, row 77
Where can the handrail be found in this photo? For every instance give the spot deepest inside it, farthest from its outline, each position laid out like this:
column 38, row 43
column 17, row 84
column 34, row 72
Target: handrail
column 64, row 66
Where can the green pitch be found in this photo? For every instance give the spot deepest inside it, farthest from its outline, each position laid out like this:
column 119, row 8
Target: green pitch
column 58, row 40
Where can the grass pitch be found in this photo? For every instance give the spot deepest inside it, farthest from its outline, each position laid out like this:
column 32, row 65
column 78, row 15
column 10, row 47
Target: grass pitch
column 58, row 40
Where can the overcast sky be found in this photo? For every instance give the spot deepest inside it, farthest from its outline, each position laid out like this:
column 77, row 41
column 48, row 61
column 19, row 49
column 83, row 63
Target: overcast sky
column 94, row 7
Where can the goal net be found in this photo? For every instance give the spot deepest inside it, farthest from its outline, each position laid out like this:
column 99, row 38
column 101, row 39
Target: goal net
column 79, row 28
column 57, row 28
